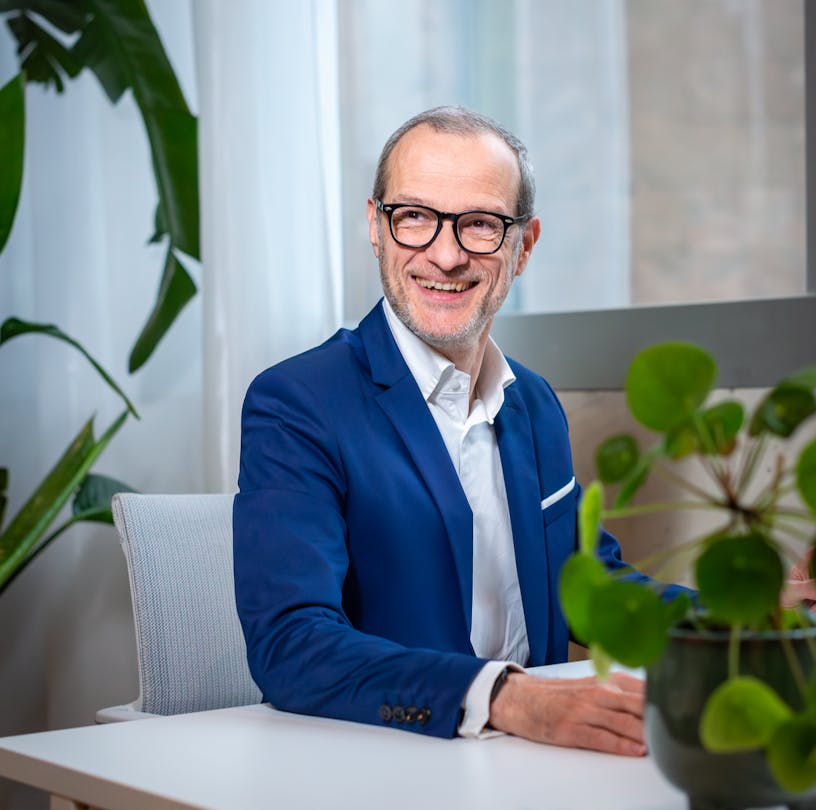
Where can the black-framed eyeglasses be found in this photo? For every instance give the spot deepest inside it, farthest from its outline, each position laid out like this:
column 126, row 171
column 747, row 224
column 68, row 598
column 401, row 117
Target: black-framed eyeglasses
column 416, row 226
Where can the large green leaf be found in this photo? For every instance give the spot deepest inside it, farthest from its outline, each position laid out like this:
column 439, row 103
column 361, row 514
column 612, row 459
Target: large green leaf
column 175, row 290
column 792, row 754
column 132, row 42
column 12, row 145
column 24, row 530
column 580, row 576
column 43, row 58
column 67, row 16
column 740, row 578
column 93, row 498
column 740, row 715
column 627, row 620
column 806, row 475
column 666, row 383
column 14, row 327
column 92, row 50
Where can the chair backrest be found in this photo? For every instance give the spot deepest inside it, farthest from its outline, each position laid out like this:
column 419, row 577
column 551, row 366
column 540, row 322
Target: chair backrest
column 191, row 649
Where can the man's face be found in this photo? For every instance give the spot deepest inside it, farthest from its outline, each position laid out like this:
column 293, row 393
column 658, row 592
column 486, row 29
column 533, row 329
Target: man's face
column 450, row 173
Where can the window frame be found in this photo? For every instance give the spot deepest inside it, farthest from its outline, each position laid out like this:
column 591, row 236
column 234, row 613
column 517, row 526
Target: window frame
column 592, row 350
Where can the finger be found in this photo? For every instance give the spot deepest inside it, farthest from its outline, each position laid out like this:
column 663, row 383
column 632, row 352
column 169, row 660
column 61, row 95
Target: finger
column 601, row 739
column 626, row 682
column 797, row 591
column 620, row 723
column 612, row 699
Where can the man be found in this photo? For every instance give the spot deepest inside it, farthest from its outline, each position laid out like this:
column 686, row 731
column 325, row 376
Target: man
column 407, row 498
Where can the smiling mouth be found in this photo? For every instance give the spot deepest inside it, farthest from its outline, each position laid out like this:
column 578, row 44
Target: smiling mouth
column 445, row 286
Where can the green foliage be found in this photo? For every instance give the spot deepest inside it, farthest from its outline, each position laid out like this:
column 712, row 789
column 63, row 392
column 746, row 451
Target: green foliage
column 740, row 578
column 14, row 327
column 19, row 539
column 742, row 714
column 579, row 578
column 589, row 517
column 117, row 41
column 792, row 754
column 12, row 143
column 667, row 383
column 738, row 571
column 616, row 458
column 806, row 475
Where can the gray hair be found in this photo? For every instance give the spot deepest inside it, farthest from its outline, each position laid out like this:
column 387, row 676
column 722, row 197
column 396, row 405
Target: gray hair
column 462, row 121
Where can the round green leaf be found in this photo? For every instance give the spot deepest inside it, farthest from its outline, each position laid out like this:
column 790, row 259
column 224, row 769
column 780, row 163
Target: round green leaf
column 634, row 482
column 667, row 383
column 616, row 458
column 741, row 714
column 589, row 517
column 783, row 410
column 580, row 576
column 627, row 621
column 792, row 754
column 740, row 578
column 806, row 475
column 681, row 441
column 723, row 422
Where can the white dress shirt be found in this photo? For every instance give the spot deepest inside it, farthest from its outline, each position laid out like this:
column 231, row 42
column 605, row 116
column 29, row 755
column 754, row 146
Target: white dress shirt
column 498, row 630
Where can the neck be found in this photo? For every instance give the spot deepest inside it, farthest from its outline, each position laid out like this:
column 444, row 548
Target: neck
column 468, row 357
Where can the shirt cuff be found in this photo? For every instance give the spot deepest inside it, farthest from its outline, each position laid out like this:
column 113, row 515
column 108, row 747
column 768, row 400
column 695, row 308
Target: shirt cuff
column 476, row 704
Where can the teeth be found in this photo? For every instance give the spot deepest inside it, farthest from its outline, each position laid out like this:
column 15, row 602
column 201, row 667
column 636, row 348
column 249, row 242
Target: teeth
column 448, row 286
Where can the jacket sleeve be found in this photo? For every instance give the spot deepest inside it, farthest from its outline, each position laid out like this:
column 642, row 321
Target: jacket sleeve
column 290, row 563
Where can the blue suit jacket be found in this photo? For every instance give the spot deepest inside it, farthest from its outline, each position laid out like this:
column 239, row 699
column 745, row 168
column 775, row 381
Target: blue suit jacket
column 353, row 537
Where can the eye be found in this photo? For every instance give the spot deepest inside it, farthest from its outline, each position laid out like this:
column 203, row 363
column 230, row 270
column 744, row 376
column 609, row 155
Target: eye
column 412, row 217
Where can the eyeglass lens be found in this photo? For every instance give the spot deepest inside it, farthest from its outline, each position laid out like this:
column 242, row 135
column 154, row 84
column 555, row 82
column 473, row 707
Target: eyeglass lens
column 478, row 231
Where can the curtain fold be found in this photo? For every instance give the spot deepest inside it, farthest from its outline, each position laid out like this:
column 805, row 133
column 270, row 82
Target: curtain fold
column 270, row 199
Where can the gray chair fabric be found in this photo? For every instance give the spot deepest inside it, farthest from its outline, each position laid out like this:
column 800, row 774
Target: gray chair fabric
column 191, row 650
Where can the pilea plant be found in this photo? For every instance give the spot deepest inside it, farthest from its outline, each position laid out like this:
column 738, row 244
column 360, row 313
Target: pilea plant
column 738, row 569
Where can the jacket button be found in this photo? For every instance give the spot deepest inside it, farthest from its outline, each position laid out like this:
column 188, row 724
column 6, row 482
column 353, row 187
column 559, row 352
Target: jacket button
column 410, row 714
column 385, row 712
column 424, row 715
column 399, row 714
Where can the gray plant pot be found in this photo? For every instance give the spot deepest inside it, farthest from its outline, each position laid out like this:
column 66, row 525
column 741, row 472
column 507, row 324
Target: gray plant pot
column 677, row 687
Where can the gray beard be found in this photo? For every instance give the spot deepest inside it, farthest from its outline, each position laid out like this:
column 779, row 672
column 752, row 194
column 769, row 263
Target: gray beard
column 462, row 338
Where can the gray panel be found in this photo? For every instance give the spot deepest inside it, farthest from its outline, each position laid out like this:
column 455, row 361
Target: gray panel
column 755, row 342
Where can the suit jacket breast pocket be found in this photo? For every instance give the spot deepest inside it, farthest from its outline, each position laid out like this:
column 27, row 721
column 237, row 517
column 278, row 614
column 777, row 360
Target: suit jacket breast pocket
column 559, row 519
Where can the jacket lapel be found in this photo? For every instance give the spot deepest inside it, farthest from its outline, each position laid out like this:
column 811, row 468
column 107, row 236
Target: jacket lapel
column 517, row 451
column 403, row 404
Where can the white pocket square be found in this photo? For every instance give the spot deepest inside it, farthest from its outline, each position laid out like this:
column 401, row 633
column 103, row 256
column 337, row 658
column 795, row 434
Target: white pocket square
column 558, row 494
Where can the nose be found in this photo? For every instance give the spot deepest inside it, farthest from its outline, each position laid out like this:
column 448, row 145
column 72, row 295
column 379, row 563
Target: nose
column 445, row 251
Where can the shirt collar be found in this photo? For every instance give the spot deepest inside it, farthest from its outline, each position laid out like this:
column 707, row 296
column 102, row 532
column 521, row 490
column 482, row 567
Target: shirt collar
column 432, row 371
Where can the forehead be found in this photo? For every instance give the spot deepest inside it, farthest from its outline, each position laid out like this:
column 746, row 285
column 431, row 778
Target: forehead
column 453, row 171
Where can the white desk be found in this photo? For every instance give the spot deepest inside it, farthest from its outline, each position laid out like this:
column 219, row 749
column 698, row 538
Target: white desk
column 255, row 757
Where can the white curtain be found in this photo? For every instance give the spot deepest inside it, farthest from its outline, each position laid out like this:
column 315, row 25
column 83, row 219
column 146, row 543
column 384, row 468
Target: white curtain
column 270, row 190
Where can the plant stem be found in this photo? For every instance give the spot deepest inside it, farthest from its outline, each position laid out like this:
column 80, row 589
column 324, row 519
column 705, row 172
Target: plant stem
column 792, row 531
column 687, row 485
column 645, row 509
column 795, row 666
column 752, row 456
column 734, row 651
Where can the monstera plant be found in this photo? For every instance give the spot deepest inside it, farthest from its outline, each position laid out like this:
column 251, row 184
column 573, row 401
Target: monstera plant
column 117, row 41
column 765, row 522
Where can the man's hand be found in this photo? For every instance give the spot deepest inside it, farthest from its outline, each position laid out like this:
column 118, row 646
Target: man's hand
column 578, row 713
column 800, row 588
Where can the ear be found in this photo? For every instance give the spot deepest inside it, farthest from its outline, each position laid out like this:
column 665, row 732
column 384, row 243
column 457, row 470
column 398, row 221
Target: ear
column 529, row 236
column 373, row 236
